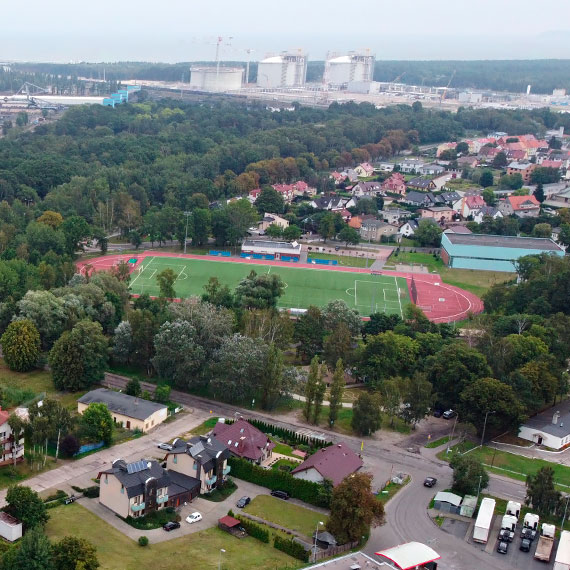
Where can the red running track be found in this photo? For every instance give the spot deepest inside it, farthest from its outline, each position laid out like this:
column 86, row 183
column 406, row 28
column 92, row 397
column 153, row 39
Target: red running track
column 440, row 302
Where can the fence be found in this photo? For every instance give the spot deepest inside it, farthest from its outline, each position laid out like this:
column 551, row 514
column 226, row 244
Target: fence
column 222, row 253
column 322, row 261
column 333, row 551
column 90, row 447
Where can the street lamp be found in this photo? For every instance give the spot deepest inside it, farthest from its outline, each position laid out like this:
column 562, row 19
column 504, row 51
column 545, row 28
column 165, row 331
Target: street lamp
column 315, row 545
column 222, row 551
column 484, row 426
column 479, row 487
column 452, row 432
column 187, row 214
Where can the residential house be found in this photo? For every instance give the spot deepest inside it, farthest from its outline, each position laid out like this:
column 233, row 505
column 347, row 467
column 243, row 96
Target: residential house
column 396, row 184
column 350, row 174
column 420, row 199
column 367, row 189
column 244, row 440
column 488, row 153
column 333, row 203
column 272, row 219
column 252, row 195
column 127, row 411
column 11, row 448
column 364, row 170
column 516, row 155
column 441, row 214
column 423, row 184
column 301, row 188
column 441, row 180
column 338, row 177
column 411, row 165
column 345, row 215
column 556, row 164
column 469, row 205
column 550, row 428
column 139, row 488
column 431, row 169
column 469, row 161
column 408, row 228
column 289, row 191
column 356, row 221
column 334, row 462
column 487, row 211
column 445, row 146
column 521, row 206
column 386, row 167
column 560, row 200
column 457, row 229
column 375, row 230
column 394, row 215
column 202, row 457
column 523, row 168
column 450, row 197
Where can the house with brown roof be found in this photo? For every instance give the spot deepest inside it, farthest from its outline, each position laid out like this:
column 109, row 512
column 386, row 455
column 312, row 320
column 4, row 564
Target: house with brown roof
column 521, row 206
column 334, row 462
column 396, row 184
column 440, row 214
column 364, row 170
column 422, row 184
column 244, row 440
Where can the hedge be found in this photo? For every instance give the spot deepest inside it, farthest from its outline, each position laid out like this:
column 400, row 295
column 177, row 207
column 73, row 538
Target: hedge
column 254, row 529
column 291, row 548
column 307, row 491
column 288, row 435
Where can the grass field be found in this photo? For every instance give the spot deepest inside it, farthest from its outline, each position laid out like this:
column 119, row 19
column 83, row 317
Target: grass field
column 200, row 550
column 303, row 287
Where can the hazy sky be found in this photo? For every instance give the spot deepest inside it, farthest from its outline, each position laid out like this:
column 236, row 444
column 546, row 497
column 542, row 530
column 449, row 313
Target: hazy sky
column 186, row 30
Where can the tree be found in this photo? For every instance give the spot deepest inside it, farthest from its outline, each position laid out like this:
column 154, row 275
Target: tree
column 428, row 233
column 269, row 201
column 564, row 236
column 123, row 342
column 500, row 160
column 539, row 193
column 200, row 226
column 133, row 388
column 417, row 399
column 217, row 294
column 34, row 553
column 70, row 445
column 97, row 423
column 354, row 509
column 165, row 280
column 320, row 389
column 58, row 417
column 272, row 380
column 73, row 553
column 393, row 391
column 27, row 506
column 337, row 345
column 50, row 218
column 274, row 231
column 79, row 357
column 366, row 417
column 542, row 230
column 349, row 235
column 462, row 148
column 327, row 227
column 309, row 332
column 162, row 393
column 259, row 291
column 311, row 387
column 486, row 179
column 544, row 175
column 292, row 233
column 21, row 345
column 489, row 197
column 336, row 392
column 75, row 229
column 469, row 475
column 135, row 238
column 540, row 492
column 336, row 312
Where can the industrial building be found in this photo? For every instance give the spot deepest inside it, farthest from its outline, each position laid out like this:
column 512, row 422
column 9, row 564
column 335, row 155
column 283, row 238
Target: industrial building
column 284, row 70
column 343, row 69
column 278, row 250
column 216, row 78
column 492, row 253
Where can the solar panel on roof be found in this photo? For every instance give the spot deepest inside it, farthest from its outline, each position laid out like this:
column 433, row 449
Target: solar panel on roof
column 136, row 467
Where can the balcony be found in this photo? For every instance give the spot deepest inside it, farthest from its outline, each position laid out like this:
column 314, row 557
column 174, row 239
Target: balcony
column 211, row 481
column 226, row 470
column 137, row 508
column 162, row 499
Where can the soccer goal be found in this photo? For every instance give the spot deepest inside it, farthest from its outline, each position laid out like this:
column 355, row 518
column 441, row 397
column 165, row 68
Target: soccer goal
column 140, row 268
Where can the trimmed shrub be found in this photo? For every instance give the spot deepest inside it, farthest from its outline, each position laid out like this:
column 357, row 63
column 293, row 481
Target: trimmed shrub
column 69, row 446
column 287, row 435
column 274, row 479
column 254, row 529
column 143, row 541
column 91, row 492
column 294, row 549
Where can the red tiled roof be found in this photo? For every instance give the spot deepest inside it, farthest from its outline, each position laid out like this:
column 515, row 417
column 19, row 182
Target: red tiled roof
column 3, row 417
column 228, row 521
column 334, row 462
column 250, row 441
column 551, row 164
column 475, row 202
column 517, row 201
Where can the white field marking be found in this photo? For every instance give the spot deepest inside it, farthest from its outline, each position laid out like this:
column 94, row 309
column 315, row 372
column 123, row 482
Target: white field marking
column 268, row 269
column 151, row 275
column 179, row 274
column 133, row 282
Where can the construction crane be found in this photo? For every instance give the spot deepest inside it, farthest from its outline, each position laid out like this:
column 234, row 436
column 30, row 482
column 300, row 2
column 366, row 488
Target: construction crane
column 444, row 93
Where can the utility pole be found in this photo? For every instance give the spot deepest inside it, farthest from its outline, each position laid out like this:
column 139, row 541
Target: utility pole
column 187, row 214
column 484, row 426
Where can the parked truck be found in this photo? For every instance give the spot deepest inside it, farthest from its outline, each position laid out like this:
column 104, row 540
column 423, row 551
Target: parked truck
column 513, row 509
column 562, row 560
column 545, row 542
column 484, row 520
column 531, row 521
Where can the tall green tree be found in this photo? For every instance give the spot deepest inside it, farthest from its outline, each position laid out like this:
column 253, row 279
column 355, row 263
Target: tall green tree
column 539, row 193
column 418, row 399
column 349, row 235
column 79, row 357
column 21, row 345
column 269, row 201
column 73, row 553
column 272, row 380
column 97, row 423
column 336, row 391
column 309, row 332
column 486, row 179
column 320, row 390
column 337, row 345
column 366, row 418
column 259, row 291
column 34, row 553
column 165, row 280
column 354, row 509
column 469, row 475
column 310, row 388
column 200, row 226
column 541, row 493
column 27, row 506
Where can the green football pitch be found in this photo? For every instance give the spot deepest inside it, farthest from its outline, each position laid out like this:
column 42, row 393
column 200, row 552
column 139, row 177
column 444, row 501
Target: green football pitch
column 303, row 286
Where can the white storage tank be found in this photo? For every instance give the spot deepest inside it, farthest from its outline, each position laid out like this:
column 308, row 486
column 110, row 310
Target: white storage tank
column 341, row 70
column 284, row 70
column 212, row 78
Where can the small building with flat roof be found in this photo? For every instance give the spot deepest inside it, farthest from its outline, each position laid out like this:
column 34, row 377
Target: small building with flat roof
column 490, row 252
column 271, row 250
column 550, row 428
column 10, row 527
column 127, row 411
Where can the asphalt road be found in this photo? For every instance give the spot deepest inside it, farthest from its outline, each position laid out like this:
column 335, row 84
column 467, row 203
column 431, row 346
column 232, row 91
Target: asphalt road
column 406, row 513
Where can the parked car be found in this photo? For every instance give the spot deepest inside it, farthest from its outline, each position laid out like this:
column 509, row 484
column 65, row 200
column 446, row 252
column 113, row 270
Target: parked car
column 170, row 526
column 280, row 495
column 165, row 446
column 448, row 414
column 71, row 499
column 243, row 502
column 528, row 533
column 525, row 545
column 194, row 517
column 503, row 547
column 430, row 481
column 506, row 535
column 437, row 413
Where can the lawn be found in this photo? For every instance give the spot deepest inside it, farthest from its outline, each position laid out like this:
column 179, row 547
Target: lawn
column 285, row 514
column 117, row 552
column 437, row 442
column 303, row 287
column 390, row 490
column 344, row 260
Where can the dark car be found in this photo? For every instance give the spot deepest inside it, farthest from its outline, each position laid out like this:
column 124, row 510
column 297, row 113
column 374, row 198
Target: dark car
column 528, row 533
column 449, row 414
column 70, row 499
column 430, row 481
column 280, row 495
column 170, row 526
column 437, row 413
column 503, row 547
column 506, row 535
column 525, row 545
column 243, row 502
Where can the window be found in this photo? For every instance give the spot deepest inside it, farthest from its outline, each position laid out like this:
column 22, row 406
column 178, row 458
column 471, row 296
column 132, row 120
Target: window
column 106, row 479
column 122, row 490
column 175, row 460
column 195, row 466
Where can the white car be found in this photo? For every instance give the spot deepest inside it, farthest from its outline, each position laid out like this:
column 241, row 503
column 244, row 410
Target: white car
column 165, row 446
column 194, row 517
